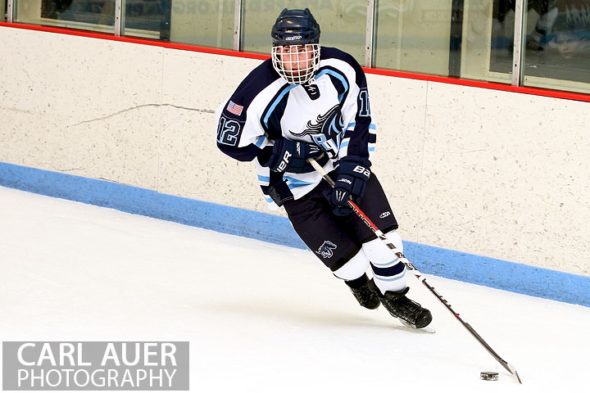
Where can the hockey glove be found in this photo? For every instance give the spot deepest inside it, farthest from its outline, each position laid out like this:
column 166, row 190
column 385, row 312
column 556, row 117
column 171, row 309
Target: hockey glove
column 291, row 156
column 351, row 179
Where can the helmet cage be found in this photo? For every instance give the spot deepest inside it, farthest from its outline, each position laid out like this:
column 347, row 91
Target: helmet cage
column 297, row 64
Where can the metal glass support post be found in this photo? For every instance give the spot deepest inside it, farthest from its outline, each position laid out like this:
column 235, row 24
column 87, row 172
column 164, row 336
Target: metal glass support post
column 519, row 42
column 456, row 39
column 219, row 39
column 238, row 19
column 370, row 32
column 10, row 11
column 119, row 17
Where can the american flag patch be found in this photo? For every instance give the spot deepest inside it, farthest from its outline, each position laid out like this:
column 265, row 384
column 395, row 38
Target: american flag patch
column 234, row 108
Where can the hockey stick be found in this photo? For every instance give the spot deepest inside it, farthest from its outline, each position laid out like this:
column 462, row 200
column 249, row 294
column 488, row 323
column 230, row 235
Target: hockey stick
column 357, row 210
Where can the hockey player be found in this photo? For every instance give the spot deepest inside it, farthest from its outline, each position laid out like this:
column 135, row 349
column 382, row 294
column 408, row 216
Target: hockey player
column 311, row 102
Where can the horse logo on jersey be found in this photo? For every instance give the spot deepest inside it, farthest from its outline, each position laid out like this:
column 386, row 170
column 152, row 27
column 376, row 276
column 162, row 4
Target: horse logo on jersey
column 326, row 249
column 325, row 131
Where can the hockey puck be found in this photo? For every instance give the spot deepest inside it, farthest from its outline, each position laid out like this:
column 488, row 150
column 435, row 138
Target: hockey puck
column 488, row 375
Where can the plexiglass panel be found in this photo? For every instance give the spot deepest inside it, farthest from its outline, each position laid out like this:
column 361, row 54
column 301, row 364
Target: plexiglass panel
column 147, row 18
column 558, row 45
column 487, row 38
column 414, row 35
column 202, row 22
column 98, row 15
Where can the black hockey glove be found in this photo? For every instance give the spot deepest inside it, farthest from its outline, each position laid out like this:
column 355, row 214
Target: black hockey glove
column 291, row 156
column 351, row 178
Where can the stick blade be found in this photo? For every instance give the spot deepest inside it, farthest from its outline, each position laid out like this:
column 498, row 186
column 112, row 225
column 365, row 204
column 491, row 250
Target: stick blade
column 514, row 372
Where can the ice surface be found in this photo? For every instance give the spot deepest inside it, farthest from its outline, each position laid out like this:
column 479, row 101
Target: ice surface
column 262, row 317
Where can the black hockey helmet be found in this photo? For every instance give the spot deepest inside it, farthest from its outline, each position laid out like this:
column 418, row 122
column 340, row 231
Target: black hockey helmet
column 295, row 27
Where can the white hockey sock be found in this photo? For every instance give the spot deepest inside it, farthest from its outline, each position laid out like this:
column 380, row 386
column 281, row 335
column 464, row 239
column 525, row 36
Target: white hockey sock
column 354, row 268
column 389, row 272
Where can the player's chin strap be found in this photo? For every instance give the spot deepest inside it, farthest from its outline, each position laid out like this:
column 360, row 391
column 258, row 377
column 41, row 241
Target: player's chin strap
column 415, row 271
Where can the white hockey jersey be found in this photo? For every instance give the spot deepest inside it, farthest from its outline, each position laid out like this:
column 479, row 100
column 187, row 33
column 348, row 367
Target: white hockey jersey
column 333, row 111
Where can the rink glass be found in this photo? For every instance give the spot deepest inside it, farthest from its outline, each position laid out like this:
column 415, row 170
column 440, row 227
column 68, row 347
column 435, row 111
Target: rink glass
column 564, row 61
column 469, row 39
column 207, row 23
column 95, row 15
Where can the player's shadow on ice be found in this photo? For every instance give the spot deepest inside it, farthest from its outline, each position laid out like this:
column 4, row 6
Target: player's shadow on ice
column 312, row 315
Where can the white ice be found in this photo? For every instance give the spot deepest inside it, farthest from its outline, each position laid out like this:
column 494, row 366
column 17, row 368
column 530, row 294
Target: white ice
column 262, row 317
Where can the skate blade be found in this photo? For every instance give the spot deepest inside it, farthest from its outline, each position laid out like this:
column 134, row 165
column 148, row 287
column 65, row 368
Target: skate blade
column 427, row 329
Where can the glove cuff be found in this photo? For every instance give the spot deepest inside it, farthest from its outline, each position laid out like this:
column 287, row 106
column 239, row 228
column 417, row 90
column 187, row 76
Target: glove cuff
column 355, row 167
column 280, row 193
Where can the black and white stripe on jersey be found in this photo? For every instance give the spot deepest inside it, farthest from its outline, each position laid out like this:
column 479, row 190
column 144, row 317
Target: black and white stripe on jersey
column 334, row 53
column 338, row 80
column 359, row 135
column 272, row 114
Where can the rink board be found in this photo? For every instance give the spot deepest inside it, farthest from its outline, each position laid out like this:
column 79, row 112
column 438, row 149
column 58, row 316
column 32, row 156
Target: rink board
column 495, row 273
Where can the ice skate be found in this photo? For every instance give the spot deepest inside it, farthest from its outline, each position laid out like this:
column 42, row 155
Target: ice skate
column 367, row 294
column 407, row 310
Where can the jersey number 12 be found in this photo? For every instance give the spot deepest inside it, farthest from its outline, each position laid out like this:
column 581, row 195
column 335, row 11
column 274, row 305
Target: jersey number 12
column 228, row 131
